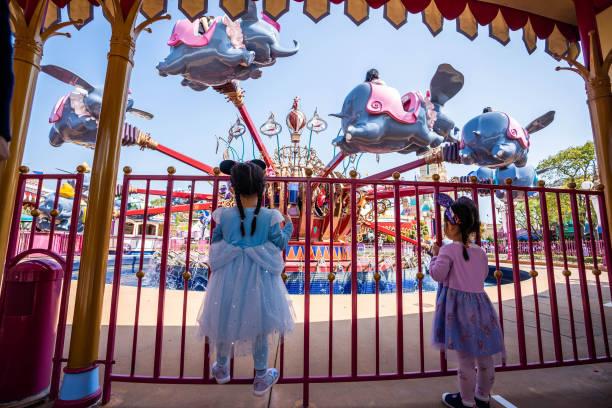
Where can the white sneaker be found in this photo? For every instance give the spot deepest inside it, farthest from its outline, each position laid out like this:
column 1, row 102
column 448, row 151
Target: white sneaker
column 261, row 385
column 221, row 373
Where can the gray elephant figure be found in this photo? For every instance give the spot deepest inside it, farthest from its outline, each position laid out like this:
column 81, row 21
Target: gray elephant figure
column 525, row 176
column 213, row 51
column 376, row 119
column 75, row 116
column 65, row 203
column 496, row 140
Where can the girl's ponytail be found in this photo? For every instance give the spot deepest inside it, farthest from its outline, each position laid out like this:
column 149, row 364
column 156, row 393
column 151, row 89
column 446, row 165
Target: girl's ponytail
column 254, row 222
column 241, row 210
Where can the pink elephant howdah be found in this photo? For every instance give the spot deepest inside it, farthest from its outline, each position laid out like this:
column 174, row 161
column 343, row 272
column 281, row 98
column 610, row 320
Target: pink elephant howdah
column 186, row 32
column 517, row 132
column 56, row 113
column 386, row 100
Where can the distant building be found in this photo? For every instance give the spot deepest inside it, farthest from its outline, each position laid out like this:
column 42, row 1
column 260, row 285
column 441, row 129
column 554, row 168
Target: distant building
column 427, row 171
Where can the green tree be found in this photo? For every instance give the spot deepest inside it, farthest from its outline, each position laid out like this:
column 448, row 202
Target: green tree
column 574, row 163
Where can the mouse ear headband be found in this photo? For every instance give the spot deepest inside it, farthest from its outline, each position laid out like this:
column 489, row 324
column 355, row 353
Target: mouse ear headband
column 226, row 165
column 445, row 201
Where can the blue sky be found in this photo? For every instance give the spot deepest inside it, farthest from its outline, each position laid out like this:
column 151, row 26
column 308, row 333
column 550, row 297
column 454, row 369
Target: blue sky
column 334, row 56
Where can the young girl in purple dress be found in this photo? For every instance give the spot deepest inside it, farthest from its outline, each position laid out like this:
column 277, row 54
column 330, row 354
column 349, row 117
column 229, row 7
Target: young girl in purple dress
column 465, row 320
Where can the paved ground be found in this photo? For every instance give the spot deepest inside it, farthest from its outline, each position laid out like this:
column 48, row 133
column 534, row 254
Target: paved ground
column 585, row 385
column 578, row 386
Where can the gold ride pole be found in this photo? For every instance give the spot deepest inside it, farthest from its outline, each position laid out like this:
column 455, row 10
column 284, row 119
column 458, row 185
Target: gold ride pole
column 80, row 386
column 29, row 41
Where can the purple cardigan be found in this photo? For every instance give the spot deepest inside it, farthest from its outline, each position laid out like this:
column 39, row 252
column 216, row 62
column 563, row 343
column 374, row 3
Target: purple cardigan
column 450, row 268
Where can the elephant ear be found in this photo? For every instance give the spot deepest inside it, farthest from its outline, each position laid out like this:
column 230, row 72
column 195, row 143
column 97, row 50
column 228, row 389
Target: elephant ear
column 541, row 122
column 445, row 84
column 67, row 76
column 226, row 166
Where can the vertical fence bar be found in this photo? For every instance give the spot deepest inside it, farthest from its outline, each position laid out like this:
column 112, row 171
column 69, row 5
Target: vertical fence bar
column 35, row 219
column 186, row 278
column 498, row 274
column 438, row 235
column 283, row 205
column 61, row 324
column 354, row 215
column 139, row 276
column 15, row 236
column 399, row 275
column 516, row 277
column 53, row 216
column 596, row 273
column 420, row 277
column 567, row 273
column 534, row 275
column 215, row 201
column 607, row 250
column 112, row 325
column 584, row 289
column 376, row 282
column 330, row 346
column 474, row 180
column 308, row 244
column 159, row 329
column 550, row 273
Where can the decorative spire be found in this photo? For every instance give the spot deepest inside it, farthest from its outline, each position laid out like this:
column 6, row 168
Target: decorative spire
column 296, row 121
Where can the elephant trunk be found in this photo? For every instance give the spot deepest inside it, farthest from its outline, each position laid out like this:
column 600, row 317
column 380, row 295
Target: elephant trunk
column 278, row 51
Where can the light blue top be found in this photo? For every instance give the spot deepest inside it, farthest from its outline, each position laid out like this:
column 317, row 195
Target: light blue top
column 268, row 227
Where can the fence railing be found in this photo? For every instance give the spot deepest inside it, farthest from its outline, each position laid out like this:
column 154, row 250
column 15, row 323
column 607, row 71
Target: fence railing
column 551, row 315
column 57, row 245
column 549, row 294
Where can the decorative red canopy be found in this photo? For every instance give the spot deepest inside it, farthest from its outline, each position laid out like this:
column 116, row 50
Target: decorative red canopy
column 561, row 37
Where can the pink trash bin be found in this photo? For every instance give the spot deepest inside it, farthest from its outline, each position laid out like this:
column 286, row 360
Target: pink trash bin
column 28, row 323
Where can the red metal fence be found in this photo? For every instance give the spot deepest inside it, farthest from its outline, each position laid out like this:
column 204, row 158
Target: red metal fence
column 552, row 313
column 555, row 317
column 53, row 244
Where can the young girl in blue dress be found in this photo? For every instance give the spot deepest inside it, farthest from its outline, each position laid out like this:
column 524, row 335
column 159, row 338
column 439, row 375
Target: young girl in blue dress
column 465, row 321
column 246, row 300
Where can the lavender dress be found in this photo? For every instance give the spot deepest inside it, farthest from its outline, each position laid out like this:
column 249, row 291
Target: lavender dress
column 465, row 319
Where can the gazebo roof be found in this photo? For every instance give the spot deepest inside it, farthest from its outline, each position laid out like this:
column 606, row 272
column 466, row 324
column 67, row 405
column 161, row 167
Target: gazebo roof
column 550, row 20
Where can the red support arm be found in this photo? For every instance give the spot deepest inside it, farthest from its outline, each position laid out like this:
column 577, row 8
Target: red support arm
column 333, row 164
column 183, row 158
column 256, row 138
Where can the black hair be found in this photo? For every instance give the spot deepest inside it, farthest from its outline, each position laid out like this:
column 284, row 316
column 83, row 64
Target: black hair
column 468, row 220
column 248, row 179
column 371, row 75
column 487, row 109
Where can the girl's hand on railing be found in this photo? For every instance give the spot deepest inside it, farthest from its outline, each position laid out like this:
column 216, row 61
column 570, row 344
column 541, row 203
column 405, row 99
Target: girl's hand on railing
column 435, row 249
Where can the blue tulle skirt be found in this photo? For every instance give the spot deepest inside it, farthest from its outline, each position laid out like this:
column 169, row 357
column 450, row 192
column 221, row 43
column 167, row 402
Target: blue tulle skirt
column 246, row 297
column 466, row 322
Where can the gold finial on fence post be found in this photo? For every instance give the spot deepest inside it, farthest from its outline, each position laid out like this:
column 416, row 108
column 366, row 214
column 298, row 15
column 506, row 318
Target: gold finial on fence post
column 216, row 171
column 171, row 170
column 508, row 181
column 396, row 175
column 353, row 173
column 435, row 177
column 127, row 170
column 24, row 169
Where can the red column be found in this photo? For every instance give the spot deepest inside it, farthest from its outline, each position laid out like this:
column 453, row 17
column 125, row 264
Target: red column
column 585, row 17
